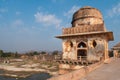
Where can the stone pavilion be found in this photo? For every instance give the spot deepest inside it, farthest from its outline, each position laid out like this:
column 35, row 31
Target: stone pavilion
column 116, row 50
column 87, row 39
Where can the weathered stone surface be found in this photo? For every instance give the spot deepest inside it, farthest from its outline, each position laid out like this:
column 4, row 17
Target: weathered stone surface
column 87, row 40
column 87, row 16
column 77, row 74
column 84, row 29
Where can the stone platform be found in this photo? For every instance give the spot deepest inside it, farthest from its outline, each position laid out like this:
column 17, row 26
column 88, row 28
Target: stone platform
column 109, row 71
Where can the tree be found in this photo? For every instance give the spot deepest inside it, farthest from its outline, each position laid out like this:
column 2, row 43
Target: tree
column 1, row 53
column 43, row 52
column 16, row 55
column 55, row 52
column 35, row 53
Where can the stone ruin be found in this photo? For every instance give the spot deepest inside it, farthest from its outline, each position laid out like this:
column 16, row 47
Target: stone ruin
column 86, row 41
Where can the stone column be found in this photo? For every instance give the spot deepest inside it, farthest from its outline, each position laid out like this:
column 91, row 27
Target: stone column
column 106, row 50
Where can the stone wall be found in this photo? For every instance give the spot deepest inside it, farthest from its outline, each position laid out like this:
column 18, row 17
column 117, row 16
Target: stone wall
column 76, row 75
column 94, row 46
column 69, row 49
column 84, row 29
column 96, row 49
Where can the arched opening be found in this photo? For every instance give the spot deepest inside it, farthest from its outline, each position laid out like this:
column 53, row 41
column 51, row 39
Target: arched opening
column 81, row 51
column 82, row 45
column 94, row 43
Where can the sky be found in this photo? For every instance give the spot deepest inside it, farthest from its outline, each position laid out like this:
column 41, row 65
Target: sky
column 27, row 25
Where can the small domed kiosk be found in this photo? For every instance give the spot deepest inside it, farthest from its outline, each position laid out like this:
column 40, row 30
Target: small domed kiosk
column 87, row 16
column 86, row 41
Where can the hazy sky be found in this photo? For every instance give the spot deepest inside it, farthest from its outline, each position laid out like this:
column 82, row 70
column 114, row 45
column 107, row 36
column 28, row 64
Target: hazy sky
column 32, row 24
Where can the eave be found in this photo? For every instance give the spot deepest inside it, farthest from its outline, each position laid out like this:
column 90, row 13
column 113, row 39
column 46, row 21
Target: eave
column 109, row 35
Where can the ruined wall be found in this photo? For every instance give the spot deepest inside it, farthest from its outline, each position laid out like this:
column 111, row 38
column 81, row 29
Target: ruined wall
column 69, row 49
column 77, row 74
column 96, row 49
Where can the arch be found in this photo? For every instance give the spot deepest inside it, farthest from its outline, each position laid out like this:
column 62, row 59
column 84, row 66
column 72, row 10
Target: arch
column 82, row 45
column 94, row 43
column 81, row 50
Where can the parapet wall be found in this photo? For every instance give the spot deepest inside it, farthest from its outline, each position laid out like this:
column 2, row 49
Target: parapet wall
column 77, row 74
column 84, row 29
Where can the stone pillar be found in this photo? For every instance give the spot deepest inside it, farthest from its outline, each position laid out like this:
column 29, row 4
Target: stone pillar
column 63, row 48
column 106, row 50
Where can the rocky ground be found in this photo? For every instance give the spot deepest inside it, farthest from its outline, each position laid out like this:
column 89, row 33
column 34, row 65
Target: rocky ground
column 24, row 68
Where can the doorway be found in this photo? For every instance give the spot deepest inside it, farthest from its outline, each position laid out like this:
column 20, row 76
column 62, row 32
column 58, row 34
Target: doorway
column 82, row 50
column 81, row 54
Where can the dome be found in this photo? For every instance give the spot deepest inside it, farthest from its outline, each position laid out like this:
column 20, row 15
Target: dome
column 87, row 16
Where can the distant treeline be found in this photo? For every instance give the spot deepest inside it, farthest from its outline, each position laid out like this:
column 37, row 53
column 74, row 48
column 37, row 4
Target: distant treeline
column 31, row 53
column 8, row 54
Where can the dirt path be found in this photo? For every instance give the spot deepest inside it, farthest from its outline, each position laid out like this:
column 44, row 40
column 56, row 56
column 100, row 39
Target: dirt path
column 109, row 71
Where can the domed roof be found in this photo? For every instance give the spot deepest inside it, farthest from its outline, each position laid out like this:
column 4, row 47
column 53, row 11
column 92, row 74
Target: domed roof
column 87, row 12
